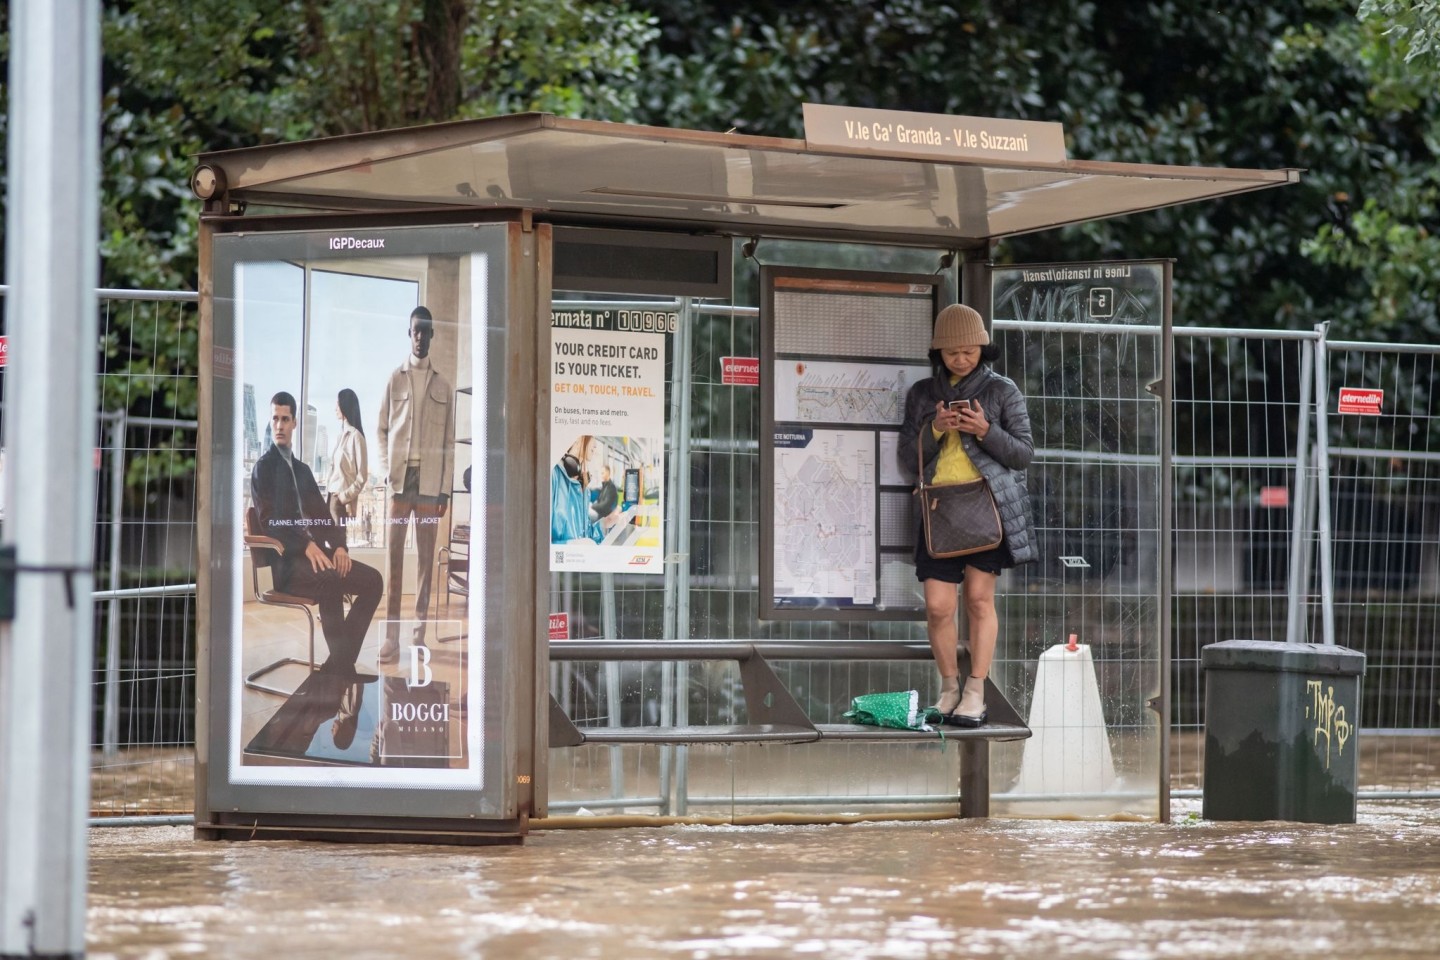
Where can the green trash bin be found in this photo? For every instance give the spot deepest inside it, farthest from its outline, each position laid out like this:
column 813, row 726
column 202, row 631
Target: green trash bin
column 1281, row 731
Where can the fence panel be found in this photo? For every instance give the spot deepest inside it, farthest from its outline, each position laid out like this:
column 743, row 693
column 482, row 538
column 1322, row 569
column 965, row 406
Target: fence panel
column 1385, row 530
column 144, row 695
column 1241, row 417
column 1251, row 410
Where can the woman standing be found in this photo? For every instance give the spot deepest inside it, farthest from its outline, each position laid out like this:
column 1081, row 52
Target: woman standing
column 963, row 422
column 349, row 463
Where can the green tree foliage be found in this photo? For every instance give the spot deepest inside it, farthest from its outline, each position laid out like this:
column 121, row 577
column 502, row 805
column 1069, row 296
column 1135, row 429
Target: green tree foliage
column 182, row 77
column 1287, row 83
column 1388, row 237
column 1280, row 84
column 1412, row 25
column 185, row 76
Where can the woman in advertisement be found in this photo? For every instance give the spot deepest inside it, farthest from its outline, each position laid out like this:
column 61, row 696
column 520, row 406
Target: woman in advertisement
column 349, row 465
column 963, row 422
column 570, row 515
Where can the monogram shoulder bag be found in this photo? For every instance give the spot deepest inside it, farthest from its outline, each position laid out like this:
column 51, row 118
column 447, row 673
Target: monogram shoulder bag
column 958, row 518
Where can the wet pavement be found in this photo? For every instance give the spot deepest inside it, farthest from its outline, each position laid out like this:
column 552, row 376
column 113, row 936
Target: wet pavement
column 944, row 888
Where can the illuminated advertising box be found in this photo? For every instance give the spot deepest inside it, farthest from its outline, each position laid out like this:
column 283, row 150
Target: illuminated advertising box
column 355, row 659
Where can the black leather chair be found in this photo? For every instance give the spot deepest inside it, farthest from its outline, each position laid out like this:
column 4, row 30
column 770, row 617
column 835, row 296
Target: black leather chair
column 264, row 551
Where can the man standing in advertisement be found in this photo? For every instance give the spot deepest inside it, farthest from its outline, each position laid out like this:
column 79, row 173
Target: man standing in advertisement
column 416, row 434
column 316, row 562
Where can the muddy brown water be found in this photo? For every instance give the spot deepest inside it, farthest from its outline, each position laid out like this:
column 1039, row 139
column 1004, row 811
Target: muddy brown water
column 159, row 780
column 948, row 888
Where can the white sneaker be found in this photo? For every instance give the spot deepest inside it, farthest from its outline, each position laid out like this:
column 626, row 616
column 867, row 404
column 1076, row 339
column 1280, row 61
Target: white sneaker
column 389, row 651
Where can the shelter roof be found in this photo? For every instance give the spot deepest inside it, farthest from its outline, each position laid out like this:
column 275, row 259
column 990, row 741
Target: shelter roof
column 614, row 173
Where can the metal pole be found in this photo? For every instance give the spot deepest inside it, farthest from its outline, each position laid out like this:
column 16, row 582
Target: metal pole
column 1299, row 526
column 611, row 672
column 1166, row 397
column 45, row 652
column 681, row 554
column 1322, row 455
column 135, row 593
column 111, row 740
column 1311, row 527
column 678, row 526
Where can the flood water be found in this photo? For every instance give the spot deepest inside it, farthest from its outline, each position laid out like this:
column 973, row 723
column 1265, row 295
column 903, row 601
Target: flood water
column 947, row 888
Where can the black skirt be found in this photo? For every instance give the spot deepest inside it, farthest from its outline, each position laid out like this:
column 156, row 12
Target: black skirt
column 952, row 569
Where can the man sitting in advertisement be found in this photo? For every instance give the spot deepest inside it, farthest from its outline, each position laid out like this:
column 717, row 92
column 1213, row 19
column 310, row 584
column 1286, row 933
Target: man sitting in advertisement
column 316, row 562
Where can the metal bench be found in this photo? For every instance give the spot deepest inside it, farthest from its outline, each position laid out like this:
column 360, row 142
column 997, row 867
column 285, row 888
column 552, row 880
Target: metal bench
column 775, row 716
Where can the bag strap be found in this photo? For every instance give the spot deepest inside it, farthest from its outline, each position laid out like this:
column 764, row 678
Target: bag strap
column 920, row 458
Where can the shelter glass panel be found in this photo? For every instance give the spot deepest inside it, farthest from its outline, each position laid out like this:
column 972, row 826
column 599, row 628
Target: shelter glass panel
column 1083, row 341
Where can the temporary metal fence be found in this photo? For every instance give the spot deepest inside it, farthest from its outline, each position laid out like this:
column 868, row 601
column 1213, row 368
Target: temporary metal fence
column 1292, row 519
column 1242, row 465
column 1258, row 520
column 145, row 543
column 1382, row 425
column 1312, row 522
column 144, row 604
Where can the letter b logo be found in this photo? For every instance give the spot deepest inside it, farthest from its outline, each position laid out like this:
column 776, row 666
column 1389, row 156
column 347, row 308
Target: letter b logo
column 420, row 675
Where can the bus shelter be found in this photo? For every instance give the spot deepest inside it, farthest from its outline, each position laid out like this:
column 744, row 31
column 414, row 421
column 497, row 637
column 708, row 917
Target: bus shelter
column 547, row 379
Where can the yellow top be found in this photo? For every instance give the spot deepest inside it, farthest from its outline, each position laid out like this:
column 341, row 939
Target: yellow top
column 954, row 465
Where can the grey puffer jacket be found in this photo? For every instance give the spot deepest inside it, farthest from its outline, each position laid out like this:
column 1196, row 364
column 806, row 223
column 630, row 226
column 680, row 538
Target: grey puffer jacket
column 1001, row 458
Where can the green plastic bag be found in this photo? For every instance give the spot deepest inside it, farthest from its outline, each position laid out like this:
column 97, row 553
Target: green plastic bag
column 900, row 710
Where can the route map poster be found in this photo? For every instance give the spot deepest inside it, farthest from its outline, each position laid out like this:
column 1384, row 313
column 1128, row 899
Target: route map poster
column 842, row 349
column 825, row 514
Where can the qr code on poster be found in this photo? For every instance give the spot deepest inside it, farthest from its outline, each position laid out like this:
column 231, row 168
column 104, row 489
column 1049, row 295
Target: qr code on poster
column 559, row 556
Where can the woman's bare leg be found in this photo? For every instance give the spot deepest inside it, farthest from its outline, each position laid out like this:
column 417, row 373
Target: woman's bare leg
column 943, row 631
column 979, row 594
column 979, row 588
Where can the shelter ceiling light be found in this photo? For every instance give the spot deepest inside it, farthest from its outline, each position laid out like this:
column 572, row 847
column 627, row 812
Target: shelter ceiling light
column 208, row 181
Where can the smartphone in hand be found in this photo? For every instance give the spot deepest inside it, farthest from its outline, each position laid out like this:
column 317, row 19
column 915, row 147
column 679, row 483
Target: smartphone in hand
column 962, row 405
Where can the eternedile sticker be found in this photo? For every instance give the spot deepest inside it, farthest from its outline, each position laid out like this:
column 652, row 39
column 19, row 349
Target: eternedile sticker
column 1366, row 401
column 357, row 243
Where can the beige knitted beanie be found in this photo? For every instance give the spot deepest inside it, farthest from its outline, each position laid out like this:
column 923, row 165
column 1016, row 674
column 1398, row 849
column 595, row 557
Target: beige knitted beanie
column 958, row 326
